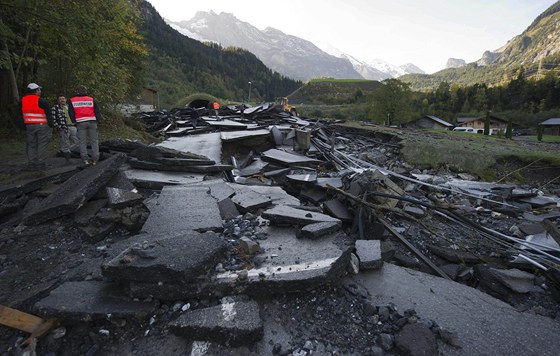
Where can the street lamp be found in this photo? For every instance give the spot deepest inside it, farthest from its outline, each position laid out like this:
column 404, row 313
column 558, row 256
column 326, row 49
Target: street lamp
column 249, row 91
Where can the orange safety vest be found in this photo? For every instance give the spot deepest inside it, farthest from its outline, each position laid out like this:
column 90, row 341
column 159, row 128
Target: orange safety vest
column 216, row 105
column 83, row 108
column 31, row 112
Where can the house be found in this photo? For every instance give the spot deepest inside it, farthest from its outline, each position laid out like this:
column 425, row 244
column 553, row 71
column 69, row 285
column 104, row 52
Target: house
column 147, row 101
column 551, row 126
column 429, row 122
column 478, row 122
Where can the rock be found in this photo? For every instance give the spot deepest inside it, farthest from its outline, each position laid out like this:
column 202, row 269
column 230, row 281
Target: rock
column 249, row 246
column 385, row 341
column 369, row 253
column 416, row 340
column 313, row 231
column 293, row 216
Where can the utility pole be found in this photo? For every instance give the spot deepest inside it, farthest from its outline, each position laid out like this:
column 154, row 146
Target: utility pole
column 249, row 91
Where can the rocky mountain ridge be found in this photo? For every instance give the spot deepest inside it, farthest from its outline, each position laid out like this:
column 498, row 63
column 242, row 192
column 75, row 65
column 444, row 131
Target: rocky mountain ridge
column 289, row 55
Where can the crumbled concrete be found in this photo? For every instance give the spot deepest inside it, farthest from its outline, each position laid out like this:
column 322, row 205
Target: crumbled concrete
column 91, row 300
column 119, row 198
column 369, row 253
column 176, row 259
column 293, row 216
column 75, row 192
column 230, row 323
column 416, row 340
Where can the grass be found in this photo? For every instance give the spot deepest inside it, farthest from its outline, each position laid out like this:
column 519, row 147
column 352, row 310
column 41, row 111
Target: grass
column 114, row 126
column 466, row 152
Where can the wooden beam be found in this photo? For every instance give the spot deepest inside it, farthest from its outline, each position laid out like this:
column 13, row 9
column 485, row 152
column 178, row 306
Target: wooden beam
column 29, row 323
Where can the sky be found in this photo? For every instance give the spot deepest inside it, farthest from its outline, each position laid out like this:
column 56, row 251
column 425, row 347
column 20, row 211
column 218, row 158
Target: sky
column 423, row 32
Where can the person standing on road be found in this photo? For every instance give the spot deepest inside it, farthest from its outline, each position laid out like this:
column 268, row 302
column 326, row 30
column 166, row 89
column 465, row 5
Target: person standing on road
column 85, row 114
column 194, row 117
column 37, row 121
column 216, row 107
column 66, row 128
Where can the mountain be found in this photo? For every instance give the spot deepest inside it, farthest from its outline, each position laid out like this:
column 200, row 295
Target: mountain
column 179, row 66
column 455, row 63
column 290, row 55
column 536, row 50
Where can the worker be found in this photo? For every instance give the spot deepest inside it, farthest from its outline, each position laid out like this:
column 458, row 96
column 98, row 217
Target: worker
column 37, row 122
column 85, row 114
column 194, row 117
column 216, row 106
column 66, row 128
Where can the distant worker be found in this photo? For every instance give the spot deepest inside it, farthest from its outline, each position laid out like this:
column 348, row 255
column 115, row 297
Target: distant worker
column 216, row 107
column 194, row 117
column 84, row 113
column 37, row 121
column 66, row 128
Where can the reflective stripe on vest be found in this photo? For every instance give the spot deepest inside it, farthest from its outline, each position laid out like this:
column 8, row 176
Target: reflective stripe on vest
column 31, row 112
column 83, row 108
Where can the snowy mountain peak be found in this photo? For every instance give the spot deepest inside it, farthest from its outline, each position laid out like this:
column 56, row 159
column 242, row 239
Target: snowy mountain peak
column 289, row 55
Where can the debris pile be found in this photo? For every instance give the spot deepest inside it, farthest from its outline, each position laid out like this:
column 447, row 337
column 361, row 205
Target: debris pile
column 259, row 253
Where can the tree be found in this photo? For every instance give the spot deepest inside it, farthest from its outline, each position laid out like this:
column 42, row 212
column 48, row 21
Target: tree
column 62, row 43
column 509, row 129
column 392, row 101
column 487, row 123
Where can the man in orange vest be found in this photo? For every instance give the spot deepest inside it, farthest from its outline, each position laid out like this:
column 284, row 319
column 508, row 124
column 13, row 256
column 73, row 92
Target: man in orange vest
column 37, row 120
column 216, row 106
column 85, row 114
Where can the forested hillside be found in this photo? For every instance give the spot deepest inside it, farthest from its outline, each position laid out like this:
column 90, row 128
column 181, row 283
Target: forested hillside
column 179, row 66
column 116, row 47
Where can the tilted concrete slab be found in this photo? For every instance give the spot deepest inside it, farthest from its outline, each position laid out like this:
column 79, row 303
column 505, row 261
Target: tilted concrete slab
column 293, row 216
column 288, row 159
column 230, row 323
column 177, row 259
column 227, row 124
column 91, row 300
column 155, row 166
column 219, row 189
column 278, row 195
column 288, row 265
column 314, row 231
column 208, row 145
column 314, row 195
column 338, row 210
column 159, row 179
column 302, row 178
column 484, row 325
column 248, row 200
column 119, row 198
column 256, row 167
column 228, row 136
column 76, row 191
column 183, row 209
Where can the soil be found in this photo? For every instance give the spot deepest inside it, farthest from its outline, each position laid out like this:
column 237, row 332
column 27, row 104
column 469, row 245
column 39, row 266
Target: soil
column 35, row 260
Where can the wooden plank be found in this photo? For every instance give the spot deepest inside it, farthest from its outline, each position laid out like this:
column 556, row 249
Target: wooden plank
column 29, row 323
column 19, row 320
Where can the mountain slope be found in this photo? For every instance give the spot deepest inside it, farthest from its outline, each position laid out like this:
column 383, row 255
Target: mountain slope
column 289, row 55
column 179, row 66
column 537, row 50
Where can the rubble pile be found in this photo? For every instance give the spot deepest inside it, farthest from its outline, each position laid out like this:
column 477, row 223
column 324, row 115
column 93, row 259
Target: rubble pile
column 167, row 244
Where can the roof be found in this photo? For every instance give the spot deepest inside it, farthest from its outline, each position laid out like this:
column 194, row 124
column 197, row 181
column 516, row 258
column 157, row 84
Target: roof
column 551, row 122
column 462, row 120
column 441, row 121
column 465, row 119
